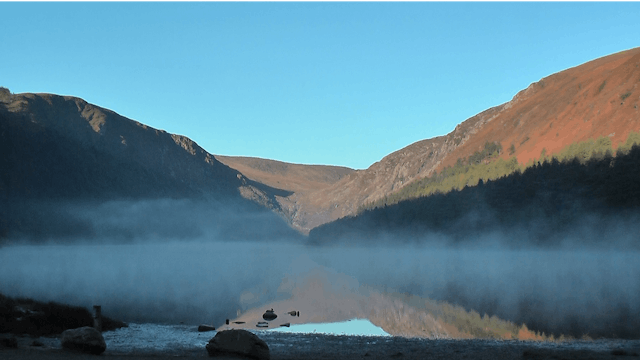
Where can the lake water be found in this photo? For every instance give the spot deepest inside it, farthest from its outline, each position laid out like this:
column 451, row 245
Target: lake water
column 208, row 282
column 184, row 340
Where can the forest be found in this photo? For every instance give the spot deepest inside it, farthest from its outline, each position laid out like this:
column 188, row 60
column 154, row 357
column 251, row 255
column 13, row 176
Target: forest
column 583, row 194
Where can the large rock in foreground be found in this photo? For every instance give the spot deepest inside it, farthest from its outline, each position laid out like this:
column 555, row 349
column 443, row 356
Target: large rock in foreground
column 238, row 343
column 85, row 339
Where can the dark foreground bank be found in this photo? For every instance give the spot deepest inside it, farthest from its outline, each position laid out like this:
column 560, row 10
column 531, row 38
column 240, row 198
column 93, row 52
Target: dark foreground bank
column 37, row 318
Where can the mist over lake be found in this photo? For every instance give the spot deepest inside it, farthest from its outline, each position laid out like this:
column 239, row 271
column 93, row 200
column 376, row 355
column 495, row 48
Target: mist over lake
column 569, row 292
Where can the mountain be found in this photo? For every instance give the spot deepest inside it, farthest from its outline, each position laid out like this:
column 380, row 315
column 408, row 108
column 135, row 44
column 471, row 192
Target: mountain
column 300, row 181
column 598, row 98
column 65, row 160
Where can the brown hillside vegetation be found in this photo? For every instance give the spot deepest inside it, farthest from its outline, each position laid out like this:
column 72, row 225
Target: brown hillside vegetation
column 286, row 176
column 598, row 98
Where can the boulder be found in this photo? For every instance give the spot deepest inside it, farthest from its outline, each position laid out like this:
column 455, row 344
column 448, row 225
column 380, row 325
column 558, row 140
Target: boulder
column 238, row 343
column 85, row 339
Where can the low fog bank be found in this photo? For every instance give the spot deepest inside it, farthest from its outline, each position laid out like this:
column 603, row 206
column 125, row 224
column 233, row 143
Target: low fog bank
column 555, row 291
column 486, row 228
column 191, row 282
column 133, row 221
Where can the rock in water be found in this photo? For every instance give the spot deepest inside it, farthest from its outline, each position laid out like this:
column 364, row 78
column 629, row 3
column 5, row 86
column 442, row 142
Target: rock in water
column 204, row 327
column 238, row 343
column 85, row 339
column 269, row 315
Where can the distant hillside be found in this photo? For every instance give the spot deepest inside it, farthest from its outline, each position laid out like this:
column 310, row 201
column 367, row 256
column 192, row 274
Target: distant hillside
column 60, row 151
column 598, row 98
column 286, row 176
column 299, row 180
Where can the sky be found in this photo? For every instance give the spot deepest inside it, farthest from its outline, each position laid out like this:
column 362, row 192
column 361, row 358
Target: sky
column 312, row 83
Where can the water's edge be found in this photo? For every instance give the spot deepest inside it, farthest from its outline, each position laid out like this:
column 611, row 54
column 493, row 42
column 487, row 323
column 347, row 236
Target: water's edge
column 185, row 340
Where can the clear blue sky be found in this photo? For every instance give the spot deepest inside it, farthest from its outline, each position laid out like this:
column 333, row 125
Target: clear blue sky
column 313, row 83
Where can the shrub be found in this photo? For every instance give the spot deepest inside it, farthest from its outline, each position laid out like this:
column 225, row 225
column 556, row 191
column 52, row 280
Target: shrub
column 625, row 95
column 601, row 86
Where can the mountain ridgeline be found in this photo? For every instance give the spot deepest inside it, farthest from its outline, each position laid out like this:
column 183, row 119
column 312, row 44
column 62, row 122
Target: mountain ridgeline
column 66, row 165
column 597, row 99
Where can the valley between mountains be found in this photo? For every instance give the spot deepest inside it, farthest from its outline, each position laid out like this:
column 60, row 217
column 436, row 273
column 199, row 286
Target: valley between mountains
column 598, row 98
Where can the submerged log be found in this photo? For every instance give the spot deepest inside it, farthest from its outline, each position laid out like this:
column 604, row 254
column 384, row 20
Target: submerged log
column 97, row 317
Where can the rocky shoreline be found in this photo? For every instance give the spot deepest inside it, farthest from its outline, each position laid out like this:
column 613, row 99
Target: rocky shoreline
column 284, row 346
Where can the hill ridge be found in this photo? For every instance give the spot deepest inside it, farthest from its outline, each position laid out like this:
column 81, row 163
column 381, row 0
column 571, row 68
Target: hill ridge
column 597, row 98
column 62, row 149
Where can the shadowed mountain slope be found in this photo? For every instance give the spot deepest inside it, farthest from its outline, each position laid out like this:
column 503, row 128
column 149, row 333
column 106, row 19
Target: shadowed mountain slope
column 61, row 150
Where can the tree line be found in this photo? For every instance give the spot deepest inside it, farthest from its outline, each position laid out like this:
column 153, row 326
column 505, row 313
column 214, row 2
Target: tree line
column 487, row 165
